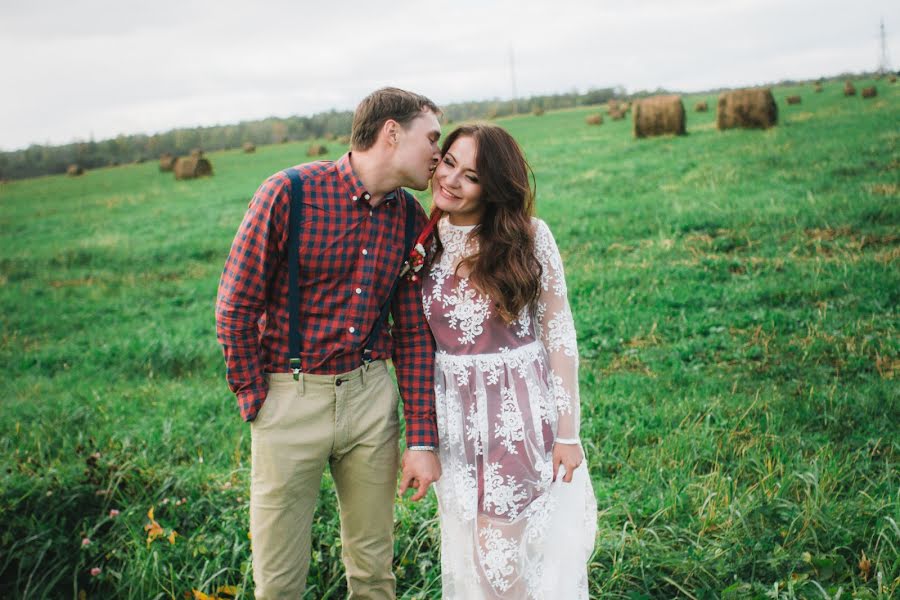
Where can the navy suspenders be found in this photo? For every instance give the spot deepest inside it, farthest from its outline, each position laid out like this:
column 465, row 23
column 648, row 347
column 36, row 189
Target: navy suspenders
column 293, row 262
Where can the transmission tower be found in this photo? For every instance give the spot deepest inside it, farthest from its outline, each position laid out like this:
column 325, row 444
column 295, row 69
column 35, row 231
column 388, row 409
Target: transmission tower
column 884, row 63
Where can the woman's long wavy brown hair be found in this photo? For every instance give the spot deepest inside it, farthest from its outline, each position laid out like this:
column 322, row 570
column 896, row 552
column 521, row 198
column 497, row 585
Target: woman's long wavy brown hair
column 505, row 266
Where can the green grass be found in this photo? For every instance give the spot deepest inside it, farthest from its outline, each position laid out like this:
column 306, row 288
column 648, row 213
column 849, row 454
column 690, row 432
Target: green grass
column 735, row 296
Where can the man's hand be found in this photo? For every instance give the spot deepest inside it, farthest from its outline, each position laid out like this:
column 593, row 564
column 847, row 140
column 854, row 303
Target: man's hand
column 420, row 468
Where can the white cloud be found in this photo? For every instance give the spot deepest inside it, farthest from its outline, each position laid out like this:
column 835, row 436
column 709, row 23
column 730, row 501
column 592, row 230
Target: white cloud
column 98, row 67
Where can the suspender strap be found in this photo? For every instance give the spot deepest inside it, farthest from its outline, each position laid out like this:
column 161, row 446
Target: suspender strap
column 408, row 241
column 293, row 261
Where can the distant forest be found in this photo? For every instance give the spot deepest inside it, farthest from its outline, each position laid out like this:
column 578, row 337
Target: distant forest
column 47, row 160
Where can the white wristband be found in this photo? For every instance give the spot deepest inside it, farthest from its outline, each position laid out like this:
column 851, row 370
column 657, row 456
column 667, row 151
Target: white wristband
column 560, row 440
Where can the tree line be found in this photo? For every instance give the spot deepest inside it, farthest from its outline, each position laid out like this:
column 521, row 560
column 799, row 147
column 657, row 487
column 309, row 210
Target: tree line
column 47, row 160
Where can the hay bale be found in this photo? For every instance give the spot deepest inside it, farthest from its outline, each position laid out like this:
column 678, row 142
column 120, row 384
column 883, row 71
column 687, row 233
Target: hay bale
column 537, row 111
column 189, row 167
column 749, row 109
column 793, row 99
column 74, row 170
column 616, row 115
column 849, row 89
column 892, row 79
column 701, row 106
column 658, row 115
column 817, row 88
column 249, row 147
column 316, row 150
column 166, row 162
column 869, row 92
column 196, row 153
column 595, row 119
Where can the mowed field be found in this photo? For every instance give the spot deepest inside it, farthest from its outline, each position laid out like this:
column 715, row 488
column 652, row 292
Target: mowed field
column 735, row 297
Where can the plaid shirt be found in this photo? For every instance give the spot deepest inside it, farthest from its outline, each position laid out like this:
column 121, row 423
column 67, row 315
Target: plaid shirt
column 350, row 254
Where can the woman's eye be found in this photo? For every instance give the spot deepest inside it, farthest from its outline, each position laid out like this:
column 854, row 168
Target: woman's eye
column 448, row 162
column 472, row 178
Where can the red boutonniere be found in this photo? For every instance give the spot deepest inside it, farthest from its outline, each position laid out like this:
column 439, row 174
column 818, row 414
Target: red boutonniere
column 416, row 259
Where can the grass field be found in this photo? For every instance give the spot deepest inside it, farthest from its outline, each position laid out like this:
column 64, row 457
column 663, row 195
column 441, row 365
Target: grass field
column 735, row 296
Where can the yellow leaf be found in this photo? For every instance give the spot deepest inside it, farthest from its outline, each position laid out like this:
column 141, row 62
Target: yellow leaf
column 198, row 595
column 172, row 536
column 228, row 590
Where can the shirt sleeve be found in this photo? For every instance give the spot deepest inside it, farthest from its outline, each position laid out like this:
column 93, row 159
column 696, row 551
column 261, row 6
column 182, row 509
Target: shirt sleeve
column 413, row 356
column 241, row 301
column 556, row 329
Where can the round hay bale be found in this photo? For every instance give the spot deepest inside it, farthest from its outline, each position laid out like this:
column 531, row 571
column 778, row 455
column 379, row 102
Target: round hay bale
column 617, row 115
column 849, row 89
column 793, row 99
column 537, row 111
column 166, row 162
column 749, row 109
column 595, row 119
column 869, row 92
column 316, row 150
column 190, row 167
column 817, row 88
column 892, row 79
column 658, row 115
column 197, row 153
column 701, row 106
column 74, row 170
column 249, row 147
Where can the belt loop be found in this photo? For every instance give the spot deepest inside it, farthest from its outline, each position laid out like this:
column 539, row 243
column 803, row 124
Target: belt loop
column 302, row 386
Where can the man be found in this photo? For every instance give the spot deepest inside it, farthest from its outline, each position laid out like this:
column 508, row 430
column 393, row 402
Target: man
column 337, row 408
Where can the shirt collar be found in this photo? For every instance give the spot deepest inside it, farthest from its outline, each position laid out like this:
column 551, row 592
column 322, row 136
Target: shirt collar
column 355, row 187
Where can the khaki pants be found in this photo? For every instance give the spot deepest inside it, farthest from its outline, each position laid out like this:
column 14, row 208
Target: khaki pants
column 349, row 422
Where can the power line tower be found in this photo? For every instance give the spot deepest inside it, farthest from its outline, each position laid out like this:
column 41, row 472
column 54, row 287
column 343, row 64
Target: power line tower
column 884, row 63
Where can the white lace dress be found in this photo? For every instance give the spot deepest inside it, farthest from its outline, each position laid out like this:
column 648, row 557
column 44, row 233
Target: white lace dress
column 504, row 393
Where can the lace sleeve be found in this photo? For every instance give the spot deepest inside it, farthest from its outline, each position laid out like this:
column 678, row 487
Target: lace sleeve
column 556, row 329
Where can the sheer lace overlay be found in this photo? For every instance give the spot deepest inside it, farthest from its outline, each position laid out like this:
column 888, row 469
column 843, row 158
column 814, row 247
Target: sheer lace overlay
column 504, row 393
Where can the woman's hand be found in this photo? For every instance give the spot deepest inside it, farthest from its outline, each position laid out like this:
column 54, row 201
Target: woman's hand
column 569, row 455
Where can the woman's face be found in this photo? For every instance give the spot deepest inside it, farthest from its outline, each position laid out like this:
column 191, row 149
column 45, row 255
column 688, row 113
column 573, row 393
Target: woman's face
column 455, row 186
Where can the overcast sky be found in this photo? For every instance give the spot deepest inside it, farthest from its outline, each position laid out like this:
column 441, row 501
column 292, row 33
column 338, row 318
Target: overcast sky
column 98, row 68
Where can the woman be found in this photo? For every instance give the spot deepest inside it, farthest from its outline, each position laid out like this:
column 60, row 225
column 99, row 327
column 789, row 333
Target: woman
column 514, row 524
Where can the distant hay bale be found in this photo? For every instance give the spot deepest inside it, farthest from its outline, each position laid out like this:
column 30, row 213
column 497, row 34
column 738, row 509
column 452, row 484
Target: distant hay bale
column 658, row 115
column 892, row 79
column 166, row 162
column 316, row 150
column 249, row 147
column 74, row 170
column 197, row 153
column 749, row 109
column 189, row 167
column 595, row 119
column 817, row 88
column 616, row 115
column 793, row 99
column 537, row 111
column 701, row 106
column 869, row 92
column 849, row 89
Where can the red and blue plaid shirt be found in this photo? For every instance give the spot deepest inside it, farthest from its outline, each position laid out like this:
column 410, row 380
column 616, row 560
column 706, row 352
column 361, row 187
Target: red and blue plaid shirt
column 350, row 255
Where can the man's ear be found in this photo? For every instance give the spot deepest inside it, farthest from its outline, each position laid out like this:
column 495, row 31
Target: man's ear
column 390, row 130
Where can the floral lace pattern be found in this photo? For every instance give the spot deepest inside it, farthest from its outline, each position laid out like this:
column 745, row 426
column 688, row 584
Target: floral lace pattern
column 504, row 392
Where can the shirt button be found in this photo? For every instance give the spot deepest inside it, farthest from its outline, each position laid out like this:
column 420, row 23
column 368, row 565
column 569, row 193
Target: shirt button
column 365, row 252
column 358, row 291
column 370, row 213
column 366, row 196
column 353, row 330
column 355, row 198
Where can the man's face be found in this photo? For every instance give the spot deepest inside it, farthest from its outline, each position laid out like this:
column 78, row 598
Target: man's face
column 417, row 151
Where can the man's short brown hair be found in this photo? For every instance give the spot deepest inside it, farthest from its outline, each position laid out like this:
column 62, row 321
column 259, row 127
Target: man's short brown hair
column 381, row 105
